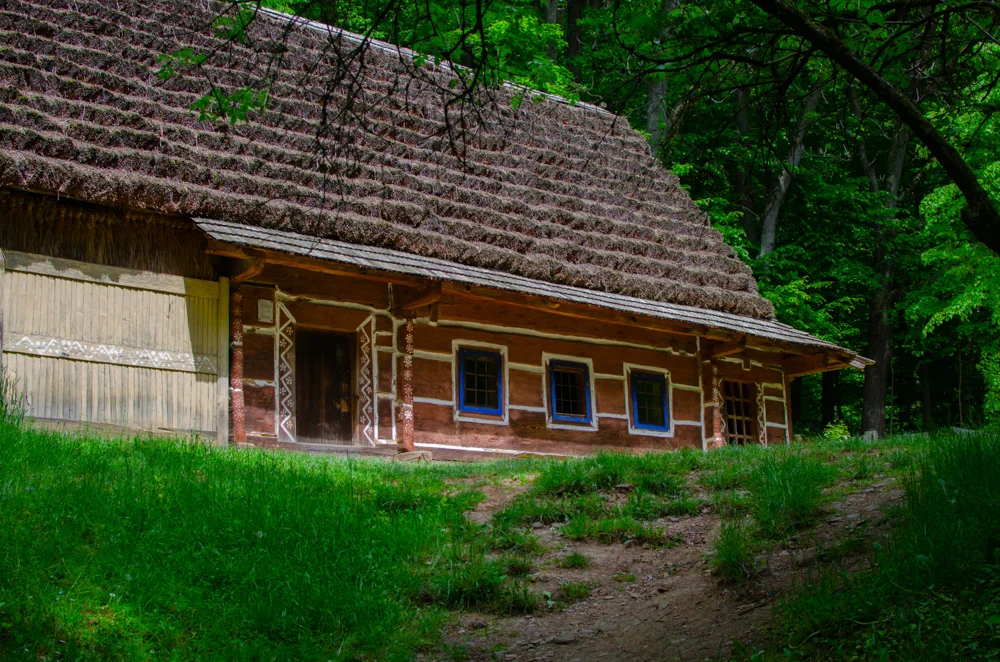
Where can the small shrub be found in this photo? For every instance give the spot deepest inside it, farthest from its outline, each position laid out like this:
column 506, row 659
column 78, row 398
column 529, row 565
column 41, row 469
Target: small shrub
column 734, row 552
column 624, row 576
column 570, row 592
column 836, row 431
column 574, row 560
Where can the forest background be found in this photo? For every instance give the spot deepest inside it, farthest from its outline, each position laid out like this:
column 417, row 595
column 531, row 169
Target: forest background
column 852, row 227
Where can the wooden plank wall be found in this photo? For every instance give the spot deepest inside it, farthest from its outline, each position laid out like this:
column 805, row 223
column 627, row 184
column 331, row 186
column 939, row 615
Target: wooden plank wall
column 95, row 344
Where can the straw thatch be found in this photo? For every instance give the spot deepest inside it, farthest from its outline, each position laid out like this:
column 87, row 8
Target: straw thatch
column 548, row 191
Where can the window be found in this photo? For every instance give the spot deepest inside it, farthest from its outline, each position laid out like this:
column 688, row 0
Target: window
column 480, row 382
column 649, row 401
column 739, row 412
column 569, row 392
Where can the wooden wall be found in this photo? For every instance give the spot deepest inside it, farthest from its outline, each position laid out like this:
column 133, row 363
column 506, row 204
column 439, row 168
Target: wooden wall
column 121, row 347
column 527, row 338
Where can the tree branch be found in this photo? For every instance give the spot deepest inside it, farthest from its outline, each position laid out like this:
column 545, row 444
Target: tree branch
column 980, row 215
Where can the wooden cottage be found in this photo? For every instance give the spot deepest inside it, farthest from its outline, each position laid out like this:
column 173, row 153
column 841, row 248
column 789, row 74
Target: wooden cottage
column 543, row 286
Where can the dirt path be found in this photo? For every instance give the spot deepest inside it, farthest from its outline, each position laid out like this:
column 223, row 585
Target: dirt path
column 663, row 604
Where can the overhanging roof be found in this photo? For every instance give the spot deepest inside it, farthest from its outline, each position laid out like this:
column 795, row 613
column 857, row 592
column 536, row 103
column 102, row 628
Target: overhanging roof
column 399, row 262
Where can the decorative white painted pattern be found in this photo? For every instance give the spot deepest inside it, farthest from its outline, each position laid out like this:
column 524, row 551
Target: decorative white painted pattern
column 761, row 416
column 366, row 381
column 36, row 345
column 285, row 342
column 720, row 410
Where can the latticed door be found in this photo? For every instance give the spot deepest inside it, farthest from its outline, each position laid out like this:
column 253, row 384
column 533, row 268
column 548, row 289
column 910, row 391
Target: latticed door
column 740, row 415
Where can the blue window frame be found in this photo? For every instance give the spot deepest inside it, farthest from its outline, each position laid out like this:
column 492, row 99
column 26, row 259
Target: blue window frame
column 480, row 382
column 650, row 409
column 569, row 392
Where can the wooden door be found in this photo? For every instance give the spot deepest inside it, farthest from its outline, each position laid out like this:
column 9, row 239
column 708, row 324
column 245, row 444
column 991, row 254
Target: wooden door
column 324, row 397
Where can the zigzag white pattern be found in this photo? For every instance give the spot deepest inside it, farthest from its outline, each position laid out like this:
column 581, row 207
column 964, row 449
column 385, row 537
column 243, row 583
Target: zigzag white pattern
column 761, row 415
column 286, row 374
column 366, row 381
column 128, row 356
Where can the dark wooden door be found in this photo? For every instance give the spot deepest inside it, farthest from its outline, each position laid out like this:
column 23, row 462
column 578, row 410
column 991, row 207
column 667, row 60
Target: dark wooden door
column 324, row 397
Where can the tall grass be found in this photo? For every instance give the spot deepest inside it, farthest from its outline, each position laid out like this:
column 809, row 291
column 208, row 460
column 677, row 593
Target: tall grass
column 785, row 491
column 159, row 549
column 933, row 591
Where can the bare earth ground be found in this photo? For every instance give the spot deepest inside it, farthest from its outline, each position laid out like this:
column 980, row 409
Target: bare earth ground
column 673, row 608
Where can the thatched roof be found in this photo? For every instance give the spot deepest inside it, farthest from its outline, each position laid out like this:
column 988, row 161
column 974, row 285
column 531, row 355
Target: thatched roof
column 549, row 191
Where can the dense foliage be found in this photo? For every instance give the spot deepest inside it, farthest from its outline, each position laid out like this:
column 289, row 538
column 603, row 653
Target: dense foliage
column 853, row 230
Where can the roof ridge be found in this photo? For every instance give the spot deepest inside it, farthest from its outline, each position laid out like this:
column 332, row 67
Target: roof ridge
column 386, row 47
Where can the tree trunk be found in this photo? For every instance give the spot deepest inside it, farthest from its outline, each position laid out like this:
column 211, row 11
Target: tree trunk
column 879, row 322
column 925, row 397
column 552, row 11
column 829, row 397
column 980, row 216
column 551, row 15
column 796, row 402
column 740, row 175
column 660, row 120
column 574, row 12
column 796, row 147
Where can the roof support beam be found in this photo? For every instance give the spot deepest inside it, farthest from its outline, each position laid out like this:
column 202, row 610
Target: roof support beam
column 727, row 348
column 428, row 295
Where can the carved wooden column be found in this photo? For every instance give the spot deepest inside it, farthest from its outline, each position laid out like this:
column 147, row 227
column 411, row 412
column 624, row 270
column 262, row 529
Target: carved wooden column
column 718, row 422
column 405, row 444
column 237, row 415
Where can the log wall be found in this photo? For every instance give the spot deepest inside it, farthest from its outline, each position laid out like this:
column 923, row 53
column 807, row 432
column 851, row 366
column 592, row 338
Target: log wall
column 527, row 338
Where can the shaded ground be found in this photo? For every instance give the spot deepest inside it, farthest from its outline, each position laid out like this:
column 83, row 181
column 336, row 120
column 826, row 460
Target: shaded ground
column 664, row 604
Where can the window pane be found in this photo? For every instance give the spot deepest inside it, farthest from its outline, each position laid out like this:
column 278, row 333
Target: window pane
column 569, row 391
column 481, row 382
column 649, row 409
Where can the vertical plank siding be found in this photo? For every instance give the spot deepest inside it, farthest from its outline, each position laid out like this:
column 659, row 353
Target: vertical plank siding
column 131, row 349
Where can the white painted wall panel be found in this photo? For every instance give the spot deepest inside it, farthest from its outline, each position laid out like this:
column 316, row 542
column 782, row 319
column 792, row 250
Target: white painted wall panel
column 96, row 345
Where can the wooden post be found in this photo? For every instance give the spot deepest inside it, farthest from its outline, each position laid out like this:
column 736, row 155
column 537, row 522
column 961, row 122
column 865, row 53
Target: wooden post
column 236, row 407
column 717, row 435
column 406, row 410
column 222, row 418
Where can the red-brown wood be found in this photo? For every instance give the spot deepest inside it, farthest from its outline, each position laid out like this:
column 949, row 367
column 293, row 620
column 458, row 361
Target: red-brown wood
column 406, row 410
column 236, row 411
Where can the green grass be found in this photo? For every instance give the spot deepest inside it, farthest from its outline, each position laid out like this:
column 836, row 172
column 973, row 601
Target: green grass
column 785, row 492
column 734, row 550
column 933, row 589
column 574, row 560
column 150, row 549
column 144, row 549
column 660, row 473
column 570, row 592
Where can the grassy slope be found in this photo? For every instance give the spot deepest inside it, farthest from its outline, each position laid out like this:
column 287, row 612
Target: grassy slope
column 159, row 550
column 154, row 549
